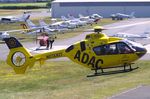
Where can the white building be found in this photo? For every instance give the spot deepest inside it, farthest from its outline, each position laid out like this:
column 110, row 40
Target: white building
column 102, row 7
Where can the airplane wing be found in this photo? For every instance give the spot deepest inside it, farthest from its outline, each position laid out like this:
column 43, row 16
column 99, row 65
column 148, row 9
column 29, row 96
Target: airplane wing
column 19, row 30
column 5, row 34
column 50, row 30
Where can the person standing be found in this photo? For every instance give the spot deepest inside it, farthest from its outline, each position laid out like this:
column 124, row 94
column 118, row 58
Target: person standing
column 47, row 44
column 51, row 41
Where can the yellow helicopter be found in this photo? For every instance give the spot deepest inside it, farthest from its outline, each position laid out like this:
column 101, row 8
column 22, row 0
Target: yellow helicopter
column 96, row 51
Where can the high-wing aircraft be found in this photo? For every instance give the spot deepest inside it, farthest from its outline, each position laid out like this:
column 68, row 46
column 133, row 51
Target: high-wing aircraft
column 132, row 37
column 12, row 19
column 96, row 51
column 33, row 29
column 121, row 16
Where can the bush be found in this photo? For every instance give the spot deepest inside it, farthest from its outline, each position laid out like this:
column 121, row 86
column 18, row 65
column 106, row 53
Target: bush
column 48, row 4
column 22, row 7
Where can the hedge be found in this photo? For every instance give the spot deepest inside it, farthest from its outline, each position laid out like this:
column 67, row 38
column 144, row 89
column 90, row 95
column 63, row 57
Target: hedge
column 22, row 7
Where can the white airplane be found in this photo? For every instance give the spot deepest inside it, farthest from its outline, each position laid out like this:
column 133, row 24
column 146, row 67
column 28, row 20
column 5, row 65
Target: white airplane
column 132, row 37
column 96, row 16
column 58, row 27
column 3, row 35
column 90, row 19
column 87, row 19
column 31, row 28
column 73, row 20
column 53, row 20
column 69, row 25
column 12, row 19
column 121, row 16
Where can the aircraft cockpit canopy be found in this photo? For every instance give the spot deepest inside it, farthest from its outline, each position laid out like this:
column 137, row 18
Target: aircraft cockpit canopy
column 137, row 47
column 112, row 49
column 121, row 47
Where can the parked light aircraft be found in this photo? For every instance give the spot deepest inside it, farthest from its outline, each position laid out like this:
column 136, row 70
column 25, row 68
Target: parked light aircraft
column 132, row 36
column 31, row 28
column 73, row 20
column 46, row 26
column 121, row 16
column 3, row 35
column 87, row 19
column 12, row 19
column 57, row 26
column 94, row 18
column 69, row 25
column 96, row 51
column 66, row 23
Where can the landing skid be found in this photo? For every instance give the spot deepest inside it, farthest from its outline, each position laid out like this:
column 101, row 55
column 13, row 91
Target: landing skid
column 112, row 72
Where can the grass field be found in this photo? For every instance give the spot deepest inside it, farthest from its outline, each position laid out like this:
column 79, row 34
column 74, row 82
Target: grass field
column 67, row 80
column 23, row 4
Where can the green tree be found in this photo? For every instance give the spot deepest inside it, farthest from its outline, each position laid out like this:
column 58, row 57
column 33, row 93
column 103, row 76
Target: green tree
column 49, row 3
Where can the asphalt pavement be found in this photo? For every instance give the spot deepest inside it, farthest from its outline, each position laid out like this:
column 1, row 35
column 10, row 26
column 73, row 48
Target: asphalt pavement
column 139, row 92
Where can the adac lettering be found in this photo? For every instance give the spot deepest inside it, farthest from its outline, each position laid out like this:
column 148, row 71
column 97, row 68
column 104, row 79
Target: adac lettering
column 85, row 59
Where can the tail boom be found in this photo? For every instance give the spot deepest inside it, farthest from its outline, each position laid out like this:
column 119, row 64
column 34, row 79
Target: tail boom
column 20, row 58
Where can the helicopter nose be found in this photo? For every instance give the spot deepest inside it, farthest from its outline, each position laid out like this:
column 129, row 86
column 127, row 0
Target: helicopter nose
column 140, row 51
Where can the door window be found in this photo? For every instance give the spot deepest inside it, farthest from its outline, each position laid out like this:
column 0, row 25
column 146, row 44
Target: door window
column 106, row 49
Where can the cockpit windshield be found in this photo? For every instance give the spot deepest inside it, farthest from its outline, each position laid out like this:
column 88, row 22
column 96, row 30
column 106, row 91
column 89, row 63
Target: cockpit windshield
column 133, row 45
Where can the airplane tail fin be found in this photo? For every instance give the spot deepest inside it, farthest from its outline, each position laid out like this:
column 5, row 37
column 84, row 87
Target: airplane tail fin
column 80, row 16
column 25, row 27
column 25, row 17
column 19, row 57
column 70, row 17
column 132, row 14
column 146, row 35
column 30, row 24
column 42, row 23
column 63, row 18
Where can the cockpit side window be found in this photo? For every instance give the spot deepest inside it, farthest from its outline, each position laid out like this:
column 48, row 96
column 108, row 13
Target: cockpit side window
column 110, row 49
column 123, row 48
column 99, row 50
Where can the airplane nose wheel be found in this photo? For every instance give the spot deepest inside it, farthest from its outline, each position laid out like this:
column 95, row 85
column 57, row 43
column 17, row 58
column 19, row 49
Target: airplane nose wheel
column 18, row 59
